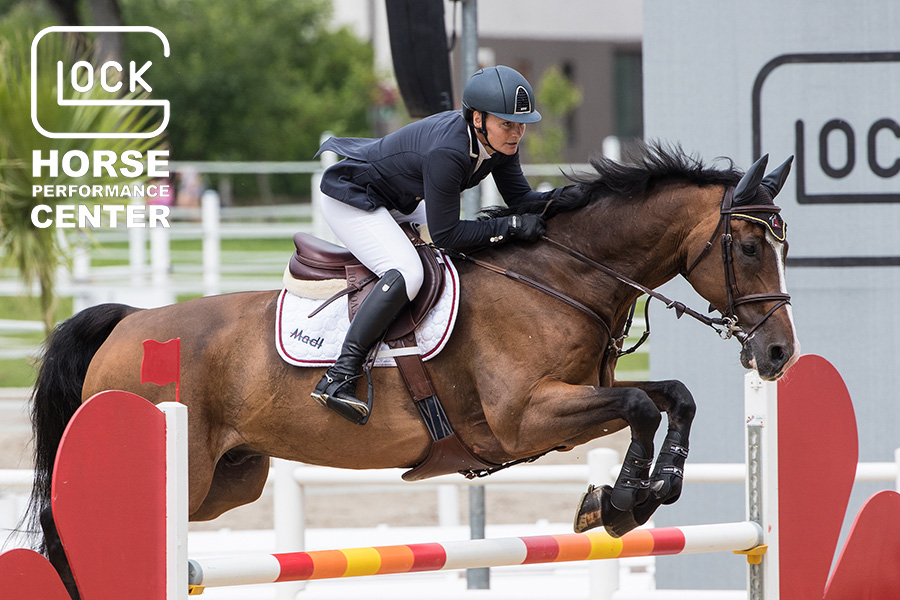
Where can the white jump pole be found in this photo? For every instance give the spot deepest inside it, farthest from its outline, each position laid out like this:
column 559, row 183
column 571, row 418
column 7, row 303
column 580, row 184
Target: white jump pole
column 176, row 499
column 761, row 410
column 137, row 256
column 468, row 554
column 160, row 258
column 289, row 523
column 603, row 575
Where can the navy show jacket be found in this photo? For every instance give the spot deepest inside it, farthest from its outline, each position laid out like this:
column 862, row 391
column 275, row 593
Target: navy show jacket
column 432, row 159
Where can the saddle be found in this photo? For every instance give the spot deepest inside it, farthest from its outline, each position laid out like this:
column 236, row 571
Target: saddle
column 316, row 260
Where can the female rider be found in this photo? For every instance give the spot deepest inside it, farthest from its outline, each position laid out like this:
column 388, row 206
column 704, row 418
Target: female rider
column 416, row 174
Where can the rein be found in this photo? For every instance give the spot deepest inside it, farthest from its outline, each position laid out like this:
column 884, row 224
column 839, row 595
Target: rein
column 680, row 307
column 726, row 326
column 531, row 283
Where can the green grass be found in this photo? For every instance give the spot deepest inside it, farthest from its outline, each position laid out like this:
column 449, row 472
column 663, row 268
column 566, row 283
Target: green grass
column 26, row 308
column 16, row 372
column 636, row 362
column 20, row 372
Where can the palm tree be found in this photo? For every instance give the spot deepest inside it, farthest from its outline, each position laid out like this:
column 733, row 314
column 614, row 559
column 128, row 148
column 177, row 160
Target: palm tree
column 37, row 252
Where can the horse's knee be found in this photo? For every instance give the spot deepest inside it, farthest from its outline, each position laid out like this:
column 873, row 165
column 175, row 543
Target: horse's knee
column 678, row 402
column 683, row 401
column 639, row 410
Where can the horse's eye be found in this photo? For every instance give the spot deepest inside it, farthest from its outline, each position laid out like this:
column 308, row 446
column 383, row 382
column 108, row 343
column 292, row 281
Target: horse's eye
column 748, row 249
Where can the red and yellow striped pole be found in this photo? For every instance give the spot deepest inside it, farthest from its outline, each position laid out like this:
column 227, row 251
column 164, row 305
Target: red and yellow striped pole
column 356, row 562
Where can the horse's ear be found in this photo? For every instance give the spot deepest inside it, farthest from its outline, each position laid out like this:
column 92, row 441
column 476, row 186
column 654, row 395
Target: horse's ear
column 745, row 191
column 774, row 181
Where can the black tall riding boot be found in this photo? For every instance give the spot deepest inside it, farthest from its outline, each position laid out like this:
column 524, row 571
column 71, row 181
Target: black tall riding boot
column 337, row 386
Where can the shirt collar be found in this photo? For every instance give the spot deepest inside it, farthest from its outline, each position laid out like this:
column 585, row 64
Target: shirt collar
column 473, row 142
column 482, row 154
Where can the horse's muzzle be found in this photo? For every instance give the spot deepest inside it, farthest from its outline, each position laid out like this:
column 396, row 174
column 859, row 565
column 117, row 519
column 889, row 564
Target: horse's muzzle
column 770, row 359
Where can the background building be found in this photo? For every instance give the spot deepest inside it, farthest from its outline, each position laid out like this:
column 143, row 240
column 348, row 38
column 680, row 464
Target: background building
column 596, row 43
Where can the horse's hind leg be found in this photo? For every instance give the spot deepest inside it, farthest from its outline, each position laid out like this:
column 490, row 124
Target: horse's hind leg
column 56, row 554
column 239, row 479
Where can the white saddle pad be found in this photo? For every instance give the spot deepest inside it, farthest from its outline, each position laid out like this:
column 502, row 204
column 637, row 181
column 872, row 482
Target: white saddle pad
column 316, row 342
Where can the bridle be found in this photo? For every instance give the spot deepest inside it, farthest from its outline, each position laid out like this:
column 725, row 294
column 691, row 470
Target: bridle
column 727, row 213
column 726, row 325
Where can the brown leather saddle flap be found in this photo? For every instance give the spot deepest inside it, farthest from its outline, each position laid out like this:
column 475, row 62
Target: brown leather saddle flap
column 316, row 259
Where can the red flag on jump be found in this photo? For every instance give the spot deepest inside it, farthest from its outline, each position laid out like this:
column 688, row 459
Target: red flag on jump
column 162, row 363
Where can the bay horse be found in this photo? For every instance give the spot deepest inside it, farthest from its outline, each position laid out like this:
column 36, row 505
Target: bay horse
column 523, row 372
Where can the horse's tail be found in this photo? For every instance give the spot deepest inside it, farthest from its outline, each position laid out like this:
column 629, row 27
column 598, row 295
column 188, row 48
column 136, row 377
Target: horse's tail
column 57, row 393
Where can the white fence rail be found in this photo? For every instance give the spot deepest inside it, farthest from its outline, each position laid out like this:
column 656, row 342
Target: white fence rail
column 289, row 482
column 153, row 273
column 603, row 467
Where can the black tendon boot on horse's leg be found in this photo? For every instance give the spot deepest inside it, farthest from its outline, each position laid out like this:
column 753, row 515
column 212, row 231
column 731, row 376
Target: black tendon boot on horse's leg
column 613, row 507
column 667, row 478
column 337, row 387
column 668, row 474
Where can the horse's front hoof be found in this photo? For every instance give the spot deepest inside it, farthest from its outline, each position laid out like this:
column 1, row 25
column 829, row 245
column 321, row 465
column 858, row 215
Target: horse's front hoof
column 589, row 513
column 596, row 509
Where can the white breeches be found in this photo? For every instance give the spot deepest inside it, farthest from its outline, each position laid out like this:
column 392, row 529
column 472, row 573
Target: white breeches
column 375, row 238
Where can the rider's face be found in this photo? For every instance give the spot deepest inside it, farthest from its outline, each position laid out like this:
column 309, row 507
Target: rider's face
column 503, row 135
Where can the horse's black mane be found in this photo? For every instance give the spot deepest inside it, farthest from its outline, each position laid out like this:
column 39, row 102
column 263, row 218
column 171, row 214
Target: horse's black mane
column 650, row 165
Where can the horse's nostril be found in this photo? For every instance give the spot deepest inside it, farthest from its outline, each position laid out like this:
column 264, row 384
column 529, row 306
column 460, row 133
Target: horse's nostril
column 777, row 354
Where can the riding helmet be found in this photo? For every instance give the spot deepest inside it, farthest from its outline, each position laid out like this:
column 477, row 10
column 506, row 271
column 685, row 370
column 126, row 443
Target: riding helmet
column 502, row 92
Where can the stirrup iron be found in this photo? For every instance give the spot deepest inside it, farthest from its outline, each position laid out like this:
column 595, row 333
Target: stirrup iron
column 351, row 409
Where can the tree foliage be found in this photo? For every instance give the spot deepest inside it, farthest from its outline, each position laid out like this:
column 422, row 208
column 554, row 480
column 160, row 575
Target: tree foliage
column 36, row 252
column 257, row 79
column 556, row 98
column 249, row 80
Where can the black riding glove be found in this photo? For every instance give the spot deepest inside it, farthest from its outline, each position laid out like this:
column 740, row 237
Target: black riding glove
column 563, row 191
column 571, row 196
column 527, row 227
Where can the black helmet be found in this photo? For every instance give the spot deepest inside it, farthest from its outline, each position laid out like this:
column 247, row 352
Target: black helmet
column 502, row 92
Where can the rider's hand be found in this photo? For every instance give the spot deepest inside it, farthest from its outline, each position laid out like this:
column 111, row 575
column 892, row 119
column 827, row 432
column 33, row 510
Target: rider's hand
column 528, row 227
column 568, row 193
